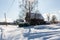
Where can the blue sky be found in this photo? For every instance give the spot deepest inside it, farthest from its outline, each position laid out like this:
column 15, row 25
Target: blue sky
column 11, row 8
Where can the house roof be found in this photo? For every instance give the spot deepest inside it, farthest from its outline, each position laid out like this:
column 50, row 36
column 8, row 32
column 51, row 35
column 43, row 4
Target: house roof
column 36, row 15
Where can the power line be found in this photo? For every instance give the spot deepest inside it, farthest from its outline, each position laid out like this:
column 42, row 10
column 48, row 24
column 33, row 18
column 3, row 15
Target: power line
column 11, row 5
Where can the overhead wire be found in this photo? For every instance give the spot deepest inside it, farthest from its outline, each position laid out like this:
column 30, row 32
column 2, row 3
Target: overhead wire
column 8, row 9
column 10, row 6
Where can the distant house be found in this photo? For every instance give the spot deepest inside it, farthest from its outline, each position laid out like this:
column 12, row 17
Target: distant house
column 34, row 18
column 19, row 21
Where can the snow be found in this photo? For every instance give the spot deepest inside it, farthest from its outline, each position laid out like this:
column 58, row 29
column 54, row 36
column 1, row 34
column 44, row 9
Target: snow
column 38, row 32
column 37, row 16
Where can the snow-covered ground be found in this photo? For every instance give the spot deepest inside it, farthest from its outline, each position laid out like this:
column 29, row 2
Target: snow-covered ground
column 39, row 32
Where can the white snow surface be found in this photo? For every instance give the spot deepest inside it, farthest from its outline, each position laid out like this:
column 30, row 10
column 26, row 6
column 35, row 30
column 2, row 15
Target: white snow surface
column 36, row 15
column 39, row 32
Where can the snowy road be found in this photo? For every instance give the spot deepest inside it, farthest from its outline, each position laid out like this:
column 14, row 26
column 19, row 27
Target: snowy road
column 40, row 32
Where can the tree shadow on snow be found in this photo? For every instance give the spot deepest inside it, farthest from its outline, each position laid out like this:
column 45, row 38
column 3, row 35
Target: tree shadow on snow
column 40, row 34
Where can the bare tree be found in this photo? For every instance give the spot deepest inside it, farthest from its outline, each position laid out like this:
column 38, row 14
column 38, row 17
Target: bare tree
column 48, row 17
column 53, row 19
column 27, row 6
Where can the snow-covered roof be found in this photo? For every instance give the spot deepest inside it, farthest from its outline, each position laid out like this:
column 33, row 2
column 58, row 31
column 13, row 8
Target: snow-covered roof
column 36, row 15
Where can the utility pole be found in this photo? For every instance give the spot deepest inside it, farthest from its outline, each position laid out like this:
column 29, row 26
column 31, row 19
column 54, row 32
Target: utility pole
column 5, row 19
column 48, row 17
